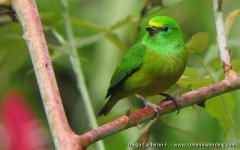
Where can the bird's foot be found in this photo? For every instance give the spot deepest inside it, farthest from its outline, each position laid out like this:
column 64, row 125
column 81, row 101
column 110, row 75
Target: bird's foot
column 172, row 98
column 157, row 109
column 9, row 11
column 201, row 104
column 128, row 111
column 13, row 15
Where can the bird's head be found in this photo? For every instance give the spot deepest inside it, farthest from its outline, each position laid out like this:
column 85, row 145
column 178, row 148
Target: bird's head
column 162, row 24
column 163, row 33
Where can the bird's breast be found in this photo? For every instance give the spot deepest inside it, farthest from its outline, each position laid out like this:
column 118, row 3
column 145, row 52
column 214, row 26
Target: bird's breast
column 157, row 73
column 162, row 65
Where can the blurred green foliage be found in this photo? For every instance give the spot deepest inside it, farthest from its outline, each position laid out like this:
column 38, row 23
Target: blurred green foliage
column 103, row 31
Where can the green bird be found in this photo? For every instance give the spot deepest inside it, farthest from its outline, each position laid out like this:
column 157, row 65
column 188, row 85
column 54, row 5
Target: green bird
column 151, row 66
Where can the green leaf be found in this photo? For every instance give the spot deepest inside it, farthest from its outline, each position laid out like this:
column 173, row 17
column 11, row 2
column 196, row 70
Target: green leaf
column 222, row 108
column 116, row 41
column 190, row 71
column 13, row 52
column 193, row 78
column 80, row 42
column 120, row 23
column 171, row 2
column 153, row 11
column 230, row 19
column 211, row 55
column 198, row 42
column 236, row 64
column 84, row 41
column 195, row 82
column 10, row 61
column 53, row 36
column 87, row 25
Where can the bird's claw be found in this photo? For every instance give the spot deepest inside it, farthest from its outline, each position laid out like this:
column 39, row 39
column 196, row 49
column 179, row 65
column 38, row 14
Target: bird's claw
column 157, row 109
column 12, row 14
column 9, row 11
column 172, row 98
column 201, row 104
column 128, row 111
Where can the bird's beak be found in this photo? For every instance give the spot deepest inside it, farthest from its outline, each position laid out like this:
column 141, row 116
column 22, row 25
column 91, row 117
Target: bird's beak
column 151, row 29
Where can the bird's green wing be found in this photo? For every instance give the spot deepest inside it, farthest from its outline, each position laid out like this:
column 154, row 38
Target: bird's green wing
column 131, row 62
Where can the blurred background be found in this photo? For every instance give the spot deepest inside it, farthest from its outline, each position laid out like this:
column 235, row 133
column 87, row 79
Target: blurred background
column 104, row 30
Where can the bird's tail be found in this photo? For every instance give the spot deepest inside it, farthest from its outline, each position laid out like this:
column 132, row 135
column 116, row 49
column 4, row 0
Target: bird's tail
column 108, row 106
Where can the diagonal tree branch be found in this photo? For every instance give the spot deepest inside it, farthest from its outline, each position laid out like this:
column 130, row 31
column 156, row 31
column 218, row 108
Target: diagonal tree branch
column 232, row 82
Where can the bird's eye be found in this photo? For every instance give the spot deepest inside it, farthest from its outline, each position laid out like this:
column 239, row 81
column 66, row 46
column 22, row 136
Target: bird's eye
column 165, row 29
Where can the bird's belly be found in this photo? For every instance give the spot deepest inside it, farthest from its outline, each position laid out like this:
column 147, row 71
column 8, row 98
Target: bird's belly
column 148, row 85
column 155, row 76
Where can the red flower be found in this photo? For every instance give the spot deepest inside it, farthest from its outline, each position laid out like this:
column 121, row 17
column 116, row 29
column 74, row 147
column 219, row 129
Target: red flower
column 21, row 129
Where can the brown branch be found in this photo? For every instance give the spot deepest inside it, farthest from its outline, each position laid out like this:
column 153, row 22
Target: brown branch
column 63, row 136
column 232, row 82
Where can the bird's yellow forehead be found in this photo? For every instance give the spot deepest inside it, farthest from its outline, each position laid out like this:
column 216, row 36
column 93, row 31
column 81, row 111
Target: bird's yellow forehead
column 155, row 24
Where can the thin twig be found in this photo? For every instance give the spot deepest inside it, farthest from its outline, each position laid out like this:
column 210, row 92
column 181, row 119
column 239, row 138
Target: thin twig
column 224, row 51
column 76, row 65
column 222, row 44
